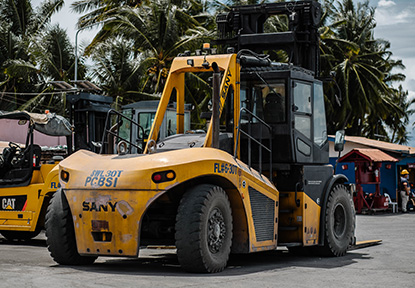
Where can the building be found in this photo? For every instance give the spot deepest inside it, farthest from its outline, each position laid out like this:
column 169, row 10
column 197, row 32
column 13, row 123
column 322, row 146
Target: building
column 390, row 171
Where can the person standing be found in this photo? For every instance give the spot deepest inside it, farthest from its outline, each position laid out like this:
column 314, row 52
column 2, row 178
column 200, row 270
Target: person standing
column 405, row 189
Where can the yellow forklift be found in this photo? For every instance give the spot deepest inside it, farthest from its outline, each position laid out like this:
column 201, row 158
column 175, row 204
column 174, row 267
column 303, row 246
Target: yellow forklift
column 258, row 178
column 28, row 174
column 25, row 182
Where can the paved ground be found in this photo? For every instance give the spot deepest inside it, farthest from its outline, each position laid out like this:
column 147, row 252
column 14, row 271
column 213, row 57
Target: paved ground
column 390, row 264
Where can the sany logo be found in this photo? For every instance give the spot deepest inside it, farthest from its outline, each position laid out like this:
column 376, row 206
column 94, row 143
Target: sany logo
column 8, row 203
column 93, row 206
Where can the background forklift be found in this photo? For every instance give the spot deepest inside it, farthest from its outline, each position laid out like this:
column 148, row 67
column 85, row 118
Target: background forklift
column 257, row 179
column 28, row 175
column 121, row 128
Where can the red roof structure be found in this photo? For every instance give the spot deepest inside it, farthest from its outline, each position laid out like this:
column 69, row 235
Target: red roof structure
column 371, row 155
column 367, row 171
column 385, row 146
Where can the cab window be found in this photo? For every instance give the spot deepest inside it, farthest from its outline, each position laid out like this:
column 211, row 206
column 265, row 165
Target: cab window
column 319, row 116
column 302, row 108
column 268, row 102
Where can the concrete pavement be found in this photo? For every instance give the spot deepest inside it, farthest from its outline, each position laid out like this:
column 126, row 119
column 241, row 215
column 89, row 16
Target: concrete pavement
column 390, row 264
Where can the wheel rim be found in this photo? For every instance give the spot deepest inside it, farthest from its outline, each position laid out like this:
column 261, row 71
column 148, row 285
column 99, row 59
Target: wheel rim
column 339, row 226
column 216, row 230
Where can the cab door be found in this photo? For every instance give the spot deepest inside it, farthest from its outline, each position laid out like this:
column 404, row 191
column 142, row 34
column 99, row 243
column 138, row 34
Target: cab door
column 302, row 118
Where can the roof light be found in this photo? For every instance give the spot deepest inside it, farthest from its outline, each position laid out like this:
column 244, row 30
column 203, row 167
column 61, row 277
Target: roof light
column 206, row 46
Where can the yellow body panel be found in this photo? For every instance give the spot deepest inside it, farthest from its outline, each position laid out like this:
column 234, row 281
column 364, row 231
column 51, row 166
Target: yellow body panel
column 122, row 189
column 122, row 210
column 305, row 218
column 22, row 206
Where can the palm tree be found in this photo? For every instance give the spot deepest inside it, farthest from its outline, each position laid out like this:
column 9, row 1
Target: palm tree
column 99, row 11
column 53, row 54
column 20, row 26
column 117, row 70
column 363, row 70
column 397, row 123
column 156, row 30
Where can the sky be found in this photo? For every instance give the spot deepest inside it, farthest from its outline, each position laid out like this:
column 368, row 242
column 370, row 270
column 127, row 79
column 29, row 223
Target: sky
column 395, row 23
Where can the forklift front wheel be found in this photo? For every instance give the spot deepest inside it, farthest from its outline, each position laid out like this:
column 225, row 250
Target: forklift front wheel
column 60, row 234
column 204, row 229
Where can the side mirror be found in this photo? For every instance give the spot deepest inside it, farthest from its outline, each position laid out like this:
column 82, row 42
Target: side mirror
column 339, row 141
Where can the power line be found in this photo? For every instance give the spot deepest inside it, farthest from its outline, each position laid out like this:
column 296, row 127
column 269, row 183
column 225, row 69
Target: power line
column 20, row 102
column 36, row 94
column 12, row 100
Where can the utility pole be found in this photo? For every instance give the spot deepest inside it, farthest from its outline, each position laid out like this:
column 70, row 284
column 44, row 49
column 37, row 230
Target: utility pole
column 76, row 51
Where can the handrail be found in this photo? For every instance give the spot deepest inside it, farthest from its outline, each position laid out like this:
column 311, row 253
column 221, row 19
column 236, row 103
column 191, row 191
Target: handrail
column 107, row 130
column 250, row 138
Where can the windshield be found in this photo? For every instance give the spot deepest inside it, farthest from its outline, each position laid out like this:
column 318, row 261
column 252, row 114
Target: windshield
column 13, row 130
column 145, row 119
column 268, row 102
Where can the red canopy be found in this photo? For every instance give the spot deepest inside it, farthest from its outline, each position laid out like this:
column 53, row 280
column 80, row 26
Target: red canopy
column 372, row 155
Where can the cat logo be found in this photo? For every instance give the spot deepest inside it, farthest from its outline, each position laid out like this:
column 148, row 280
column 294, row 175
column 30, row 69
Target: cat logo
column 8, row 203
column 13, row 203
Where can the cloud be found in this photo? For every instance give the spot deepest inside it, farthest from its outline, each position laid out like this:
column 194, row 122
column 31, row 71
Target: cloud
column 395, row 12
column 410, row 74
column 390, row 16
column 386, row 3
column 411, row 85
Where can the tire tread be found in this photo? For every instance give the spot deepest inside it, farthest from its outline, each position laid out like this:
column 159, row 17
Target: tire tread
column 331, row 248
column 60, row 234
column 193, row 206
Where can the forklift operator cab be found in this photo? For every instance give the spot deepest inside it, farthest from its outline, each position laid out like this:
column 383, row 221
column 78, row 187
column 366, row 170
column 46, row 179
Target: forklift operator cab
column 14, row 162
column 280, row 105
column 19, row 160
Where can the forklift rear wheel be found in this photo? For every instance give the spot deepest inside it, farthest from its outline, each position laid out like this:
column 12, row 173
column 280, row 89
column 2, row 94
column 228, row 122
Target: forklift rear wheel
column 204, row 229
column 19, row 235
column 60, row 234
column 339, row 222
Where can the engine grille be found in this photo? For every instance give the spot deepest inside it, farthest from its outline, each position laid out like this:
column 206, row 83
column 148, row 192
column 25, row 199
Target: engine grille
column 263, row 213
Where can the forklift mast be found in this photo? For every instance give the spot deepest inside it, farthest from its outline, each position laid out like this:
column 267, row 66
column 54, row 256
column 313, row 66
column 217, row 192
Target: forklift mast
column 243, row 28
column 87, row 112
column 297, row 115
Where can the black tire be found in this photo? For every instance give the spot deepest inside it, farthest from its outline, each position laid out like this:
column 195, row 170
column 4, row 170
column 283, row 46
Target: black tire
column 19, row 235
column 339, row 222
column 60, row 235
column 204, row 213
